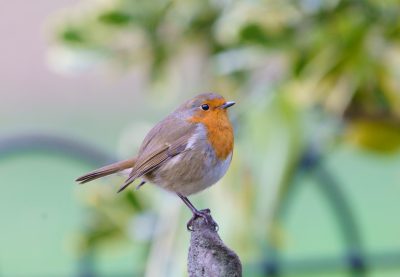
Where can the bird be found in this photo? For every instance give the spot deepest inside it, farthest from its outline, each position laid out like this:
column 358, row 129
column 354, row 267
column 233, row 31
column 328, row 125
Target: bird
column 185, row 153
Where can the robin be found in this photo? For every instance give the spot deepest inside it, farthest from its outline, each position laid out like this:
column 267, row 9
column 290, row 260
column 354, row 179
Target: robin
column 185, row 153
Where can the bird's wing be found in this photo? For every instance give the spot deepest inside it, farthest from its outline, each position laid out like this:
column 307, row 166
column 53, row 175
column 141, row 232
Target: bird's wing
column 167, row 149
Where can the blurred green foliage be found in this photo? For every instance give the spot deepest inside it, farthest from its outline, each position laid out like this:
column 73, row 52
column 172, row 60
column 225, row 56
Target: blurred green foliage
column 339, row 54
column 295, row 67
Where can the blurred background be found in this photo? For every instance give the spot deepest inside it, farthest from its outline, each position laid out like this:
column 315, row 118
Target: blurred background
column 314, row 185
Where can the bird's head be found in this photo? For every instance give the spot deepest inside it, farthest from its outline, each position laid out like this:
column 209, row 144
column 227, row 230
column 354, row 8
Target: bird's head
column 205, row 107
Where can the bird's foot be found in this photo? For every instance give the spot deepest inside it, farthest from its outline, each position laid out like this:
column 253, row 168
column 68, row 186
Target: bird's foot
column 206, row 215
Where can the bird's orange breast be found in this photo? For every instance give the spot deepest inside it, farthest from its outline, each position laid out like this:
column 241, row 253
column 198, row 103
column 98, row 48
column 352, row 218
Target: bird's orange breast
column 219, row 132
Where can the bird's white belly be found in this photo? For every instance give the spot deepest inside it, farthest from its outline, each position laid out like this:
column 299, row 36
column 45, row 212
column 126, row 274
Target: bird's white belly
column 194, row 177
column 213, row 174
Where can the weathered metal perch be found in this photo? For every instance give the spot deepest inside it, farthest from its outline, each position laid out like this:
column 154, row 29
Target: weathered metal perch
column 208, row 255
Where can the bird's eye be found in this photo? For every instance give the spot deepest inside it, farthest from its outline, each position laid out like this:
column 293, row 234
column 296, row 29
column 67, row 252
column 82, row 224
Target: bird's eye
column 205, row 107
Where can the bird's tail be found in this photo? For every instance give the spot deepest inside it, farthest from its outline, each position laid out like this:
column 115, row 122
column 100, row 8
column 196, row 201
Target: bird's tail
column 106, row 170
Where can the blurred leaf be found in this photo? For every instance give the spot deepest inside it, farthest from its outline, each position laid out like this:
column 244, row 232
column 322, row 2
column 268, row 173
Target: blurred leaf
column 253, row 33
column 115, row 18
column 72, row 36
column 98, row 235
column 380, row 136
column 133, row 200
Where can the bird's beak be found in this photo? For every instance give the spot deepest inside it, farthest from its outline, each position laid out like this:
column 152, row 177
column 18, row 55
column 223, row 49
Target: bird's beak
column 227, row 105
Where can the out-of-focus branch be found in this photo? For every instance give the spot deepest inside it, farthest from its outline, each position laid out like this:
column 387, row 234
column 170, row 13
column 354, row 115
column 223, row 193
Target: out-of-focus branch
column 208, row 255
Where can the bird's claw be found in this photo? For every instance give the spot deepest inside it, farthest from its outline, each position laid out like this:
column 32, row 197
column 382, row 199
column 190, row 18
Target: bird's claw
column 206, row 215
